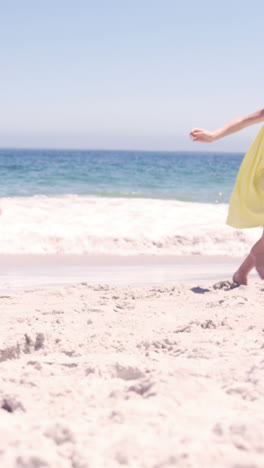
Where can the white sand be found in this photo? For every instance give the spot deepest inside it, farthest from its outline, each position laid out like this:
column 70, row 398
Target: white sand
column 140, row 376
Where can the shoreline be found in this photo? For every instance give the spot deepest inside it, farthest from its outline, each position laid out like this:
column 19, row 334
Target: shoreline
column 20, row 271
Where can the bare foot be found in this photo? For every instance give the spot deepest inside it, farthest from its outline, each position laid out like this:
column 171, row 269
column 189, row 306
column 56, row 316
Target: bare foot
column 240, row 278
column 257, row 253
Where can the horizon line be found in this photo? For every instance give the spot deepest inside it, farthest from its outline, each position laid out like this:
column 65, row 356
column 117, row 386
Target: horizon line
column 121, row 150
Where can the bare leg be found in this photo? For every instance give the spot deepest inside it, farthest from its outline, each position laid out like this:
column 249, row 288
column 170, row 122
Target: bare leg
column 254, row 259
column 257, row 253
column 241, row 274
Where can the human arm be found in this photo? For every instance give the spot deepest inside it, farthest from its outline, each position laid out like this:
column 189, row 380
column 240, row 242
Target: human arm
column 205, row 136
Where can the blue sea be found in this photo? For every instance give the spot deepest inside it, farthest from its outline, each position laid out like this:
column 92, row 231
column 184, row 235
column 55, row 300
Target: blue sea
column 205, row 177
column 118, row 203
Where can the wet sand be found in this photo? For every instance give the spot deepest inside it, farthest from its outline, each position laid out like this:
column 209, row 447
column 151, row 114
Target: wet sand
column 39, row 270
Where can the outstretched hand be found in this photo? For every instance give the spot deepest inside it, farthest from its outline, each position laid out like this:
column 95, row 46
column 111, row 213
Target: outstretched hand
column 199, row 134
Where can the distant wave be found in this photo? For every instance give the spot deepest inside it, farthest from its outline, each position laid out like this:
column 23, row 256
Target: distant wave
column 184, row 176
column 74, row 224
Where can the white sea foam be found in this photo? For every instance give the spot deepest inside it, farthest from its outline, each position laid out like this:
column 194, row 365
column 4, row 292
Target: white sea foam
column 75, row 224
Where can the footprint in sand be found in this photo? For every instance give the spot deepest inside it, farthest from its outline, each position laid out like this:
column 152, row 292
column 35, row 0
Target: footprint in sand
column 143, row 388
column 10, row 352
column 164, row 346
column 208, row 324
column 127, row 372
column 11, row 404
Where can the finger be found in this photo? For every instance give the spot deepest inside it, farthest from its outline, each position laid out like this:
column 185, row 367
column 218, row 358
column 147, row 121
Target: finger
column 197, row 133
column 194, row 130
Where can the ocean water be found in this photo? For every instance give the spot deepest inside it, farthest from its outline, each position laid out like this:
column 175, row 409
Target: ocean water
column 201, row 177
column 118, row 203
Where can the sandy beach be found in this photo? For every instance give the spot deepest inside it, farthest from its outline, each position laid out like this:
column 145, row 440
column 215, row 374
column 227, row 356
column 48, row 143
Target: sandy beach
column 116, row 349
column 124, row 215
column 150, row 375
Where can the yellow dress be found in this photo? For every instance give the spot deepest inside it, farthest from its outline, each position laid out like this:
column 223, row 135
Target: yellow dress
column 246, row 208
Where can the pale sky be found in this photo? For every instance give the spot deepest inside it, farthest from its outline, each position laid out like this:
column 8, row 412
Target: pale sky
column 123, row 74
